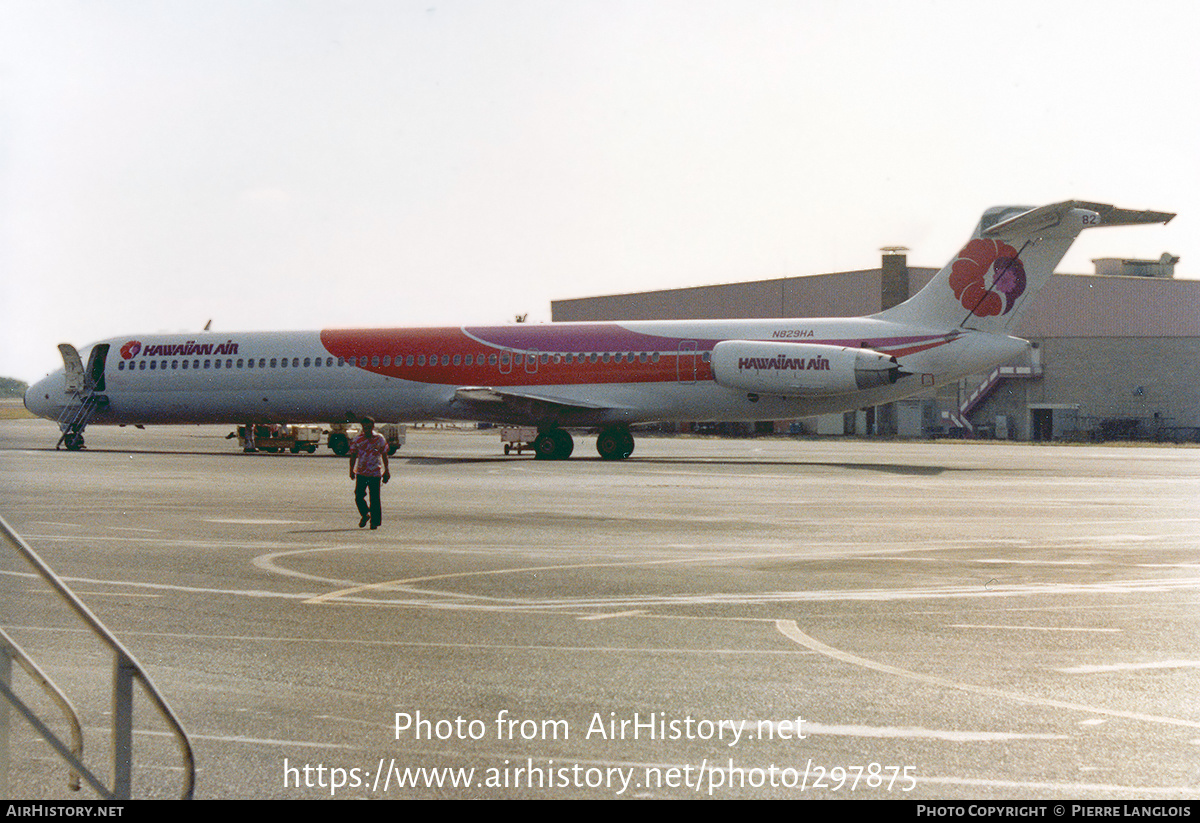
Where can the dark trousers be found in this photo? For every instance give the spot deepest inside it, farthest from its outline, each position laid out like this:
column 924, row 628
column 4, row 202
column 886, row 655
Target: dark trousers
column 364, row 484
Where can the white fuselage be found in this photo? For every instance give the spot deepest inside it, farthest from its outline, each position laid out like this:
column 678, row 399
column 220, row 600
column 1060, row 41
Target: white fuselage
column 581, row 374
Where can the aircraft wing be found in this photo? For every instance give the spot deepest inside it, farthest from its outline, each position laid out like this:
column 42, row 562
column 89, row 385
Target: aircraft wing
column 529, row 406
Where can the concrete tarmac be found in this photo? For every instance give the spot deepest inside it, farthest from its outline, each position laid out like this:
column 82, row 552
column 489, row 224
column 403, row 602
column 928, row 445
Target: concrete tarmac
column 724, row 618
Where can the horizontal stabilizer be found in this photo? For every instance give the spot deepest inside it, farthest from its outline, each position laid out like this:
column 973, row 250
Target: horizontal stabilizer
column 1044, row 218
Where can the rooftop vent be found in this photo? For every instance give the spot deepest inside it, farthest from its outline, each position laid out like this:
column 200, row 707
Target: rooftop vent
column 1121, row 267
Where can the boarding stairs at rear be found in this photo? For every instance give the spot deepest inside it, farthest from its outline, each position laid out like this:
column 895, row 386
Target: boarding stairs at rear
column 962, row 417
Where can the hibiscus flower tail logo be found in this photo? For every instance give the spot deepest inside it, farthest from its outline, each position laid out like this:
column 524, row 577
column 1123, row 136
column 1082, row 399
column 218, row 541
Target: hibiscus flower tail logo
column 130, row 349
column 988, row 278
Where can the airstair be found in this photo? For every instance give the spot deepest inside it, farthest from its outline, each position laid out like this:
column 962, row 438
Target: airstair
column 84, row 388
column 76, row 416
column 961, row 418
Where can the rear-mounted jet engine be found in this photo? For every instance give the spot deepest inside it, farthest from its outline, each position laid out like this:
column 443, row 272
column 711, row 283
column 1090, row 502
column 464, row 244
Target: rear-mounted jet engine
column 800, row 369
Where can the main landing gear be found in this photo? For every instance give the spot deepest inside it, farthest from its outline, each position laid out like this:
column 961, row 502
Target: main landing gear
column 614, row 443
column 553, row 444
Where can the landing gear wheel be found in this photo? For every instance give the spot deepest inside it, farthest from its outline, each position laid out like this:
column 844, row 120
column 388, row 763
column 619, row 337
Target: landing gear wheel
column 614, row 444
column 340, row 444
column 553, row 444
column 565, row 444
column 73, row 441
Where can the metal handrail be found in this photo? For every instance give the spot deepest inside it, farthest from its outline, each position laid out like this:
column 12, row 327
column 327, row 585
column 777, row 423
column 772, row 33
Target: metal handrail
column 125, row 670
column 73, row 755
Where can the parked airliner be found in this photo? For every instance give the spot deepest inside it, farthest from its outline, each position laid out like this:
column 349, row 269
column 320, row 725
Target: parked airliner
column 603, row 376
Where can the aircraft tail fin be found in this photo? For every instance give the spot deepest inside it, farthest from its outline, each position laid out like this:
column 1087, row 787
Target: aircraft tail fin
column 1010, row 256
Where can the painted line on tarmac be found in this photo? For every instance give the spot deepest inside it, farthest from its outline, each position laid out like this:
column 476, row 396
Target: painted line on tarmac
column 1030, row 628
column 918, row 733
column 611, row 615
column 91, row 581
column 254, row 741
column 354, row 594
column 1130, row 667
column 266, row 562
column 251, row 522
column 790, row 630
column 336, row 642
column 391, row 584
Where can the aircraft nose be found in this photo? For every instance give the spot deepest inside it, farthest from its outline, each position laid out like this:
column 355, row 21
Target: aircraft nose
column 38, row 398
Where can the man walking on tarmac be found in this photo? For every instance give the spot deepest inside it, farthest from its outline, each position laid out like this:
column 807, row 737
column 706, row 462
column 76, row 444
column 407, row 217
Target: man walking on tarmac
column 368, row 467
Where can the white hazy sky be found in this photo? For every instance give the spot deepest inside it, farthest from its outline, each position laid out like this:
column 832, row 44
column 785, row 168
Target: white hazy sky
column 296, row 165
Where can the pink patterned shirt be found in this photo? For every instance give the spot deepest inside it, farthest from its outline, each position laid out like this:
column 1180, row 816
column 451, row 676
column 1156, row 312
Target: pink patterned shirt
column 369, row 454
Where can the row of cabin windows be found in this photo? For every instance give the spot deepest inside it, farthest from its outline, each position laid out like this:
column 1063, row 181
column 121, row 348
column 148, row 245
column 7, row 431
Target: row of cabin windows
column 376, row 361
column 504, row 358
column 230, row 363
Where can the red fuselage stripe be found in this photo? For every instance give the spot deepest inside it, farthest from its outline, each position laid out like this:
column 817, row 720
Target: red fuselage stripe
column 547, row 355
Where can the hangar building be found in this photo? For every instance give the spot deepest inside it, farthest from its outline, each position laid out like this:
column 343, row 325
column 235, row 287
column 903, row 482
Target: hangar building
column 1115, row 355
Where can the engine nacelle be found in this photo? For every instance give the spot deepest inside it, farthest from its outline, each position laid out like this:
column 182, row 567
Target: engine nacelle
column 800, row 369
